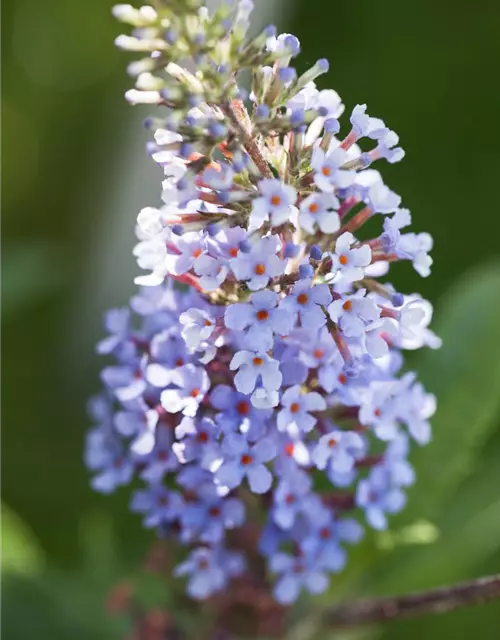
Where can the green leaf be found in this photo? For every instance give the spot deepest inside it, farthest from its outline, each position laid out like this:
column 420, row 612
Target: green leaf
column 469, row 534
column 21, row 552
column 465, row 376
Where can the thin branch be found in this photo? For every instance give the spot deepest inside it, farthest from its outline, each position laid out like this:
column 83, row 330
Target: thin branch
column 415, row 604
column 246, row 139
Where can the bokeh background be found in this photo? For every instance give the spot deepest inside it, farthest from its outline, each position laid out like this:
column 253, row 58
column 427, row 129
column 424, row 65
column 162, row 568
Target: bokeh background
column 75, row 175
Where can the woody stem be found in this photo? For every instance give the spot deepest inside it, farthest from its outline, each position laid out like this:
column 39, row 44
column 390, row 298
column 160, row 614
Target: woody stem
column 439, row 600
column 246, row 139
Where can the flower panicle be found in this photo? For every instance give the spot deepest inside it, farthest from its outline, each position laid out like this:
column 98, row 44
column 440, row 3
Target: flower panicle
column 280, row 362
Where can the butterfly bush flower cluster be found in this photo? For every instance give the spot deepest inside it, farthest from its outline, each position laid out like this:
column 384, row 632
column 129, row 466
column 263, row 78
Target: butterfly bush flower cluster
column 256, row 376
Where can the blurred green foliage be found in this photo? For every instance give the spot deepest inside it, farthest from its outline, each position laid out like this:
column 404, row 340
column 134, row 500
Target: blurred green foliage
column 74, row 176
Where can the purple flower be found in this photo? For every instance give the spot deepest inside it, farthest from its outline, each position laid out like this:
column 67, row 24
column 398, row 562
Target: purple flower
column 253, row 368
column 209, row 570
column 317, row 350
column 198, row 326
column 276, row 203
column 327, row 172
column 193, row 383
column 307, row 300
column 378, row 336
column 128, row 423
column 211, row 271
column 290, row 498
column 208, row 519
column 190, row 247
column 364, row 125
column 414, row 407
column 126, row 382
column 199, row 442
column 244, row 461
column 118, row 324
column 381, row 199
column 319, row 210
column 237, row 412
column 399, row 471
column 114, row 471
column 226, row 243
column 324, row 545
column 387, row 149
column 260, row 264
column 261, row 319
column 219, row 179
column 295, row 417
column 354, row 313
column 158, row 504
column 296, row 573
column 160, row 460
column 350, row 262
column 339, row 450
column 377, row 497
column 416, row 247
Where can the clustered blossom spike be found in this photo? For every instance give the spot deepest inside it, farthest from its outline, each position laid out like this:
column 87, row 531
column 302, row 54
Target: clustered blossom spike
column 276, row 370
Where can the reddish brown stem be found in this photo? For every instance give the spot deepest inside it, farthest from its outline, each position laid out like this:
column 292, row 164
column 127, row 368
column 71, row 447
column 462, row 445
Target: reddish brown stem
column 415, row 604
column 340, row 500
column 246, row 139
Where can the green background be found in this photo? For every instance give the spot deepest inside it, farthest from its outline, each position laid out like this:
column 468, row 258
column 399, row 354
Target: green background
column 75, row 175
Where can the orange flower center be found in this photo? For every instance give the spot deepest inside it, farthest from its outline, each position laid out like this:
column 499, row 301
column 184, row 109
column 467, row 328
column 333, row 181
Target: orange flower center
column 258, row 362
column 195, row 393
column 262, row 315
column 203, row 436
column 326, row 171
column 214, row 512
column 343, row 260
column 233, row 252
column 246, row 459
column 179, row 362
column 260, row 269
column 313, row 207
column 196, row 253
column 332, row 442
column 347, row 306
column 325, row 533
column 275, row 200
column 243, row 408
column 318, row 353
column 289, row 498
column 302, row 298
column 207, row 323
column 342, row 378
column 289, row 448
column 295, row 407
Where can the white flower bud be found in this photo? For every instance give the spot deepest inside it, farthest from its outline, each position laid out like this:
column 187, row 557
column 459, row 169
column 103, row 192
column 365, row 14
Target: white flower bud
column 143, row 97
column 143, row 17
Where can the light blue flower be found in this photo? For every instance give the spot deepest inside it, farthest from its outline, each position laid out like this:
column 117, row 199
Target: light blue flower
column 261, row 320
column 255, row 367
column 307, row 300
column 275, row 203
column 295, row 416
column 260, row 264
column 245, row 461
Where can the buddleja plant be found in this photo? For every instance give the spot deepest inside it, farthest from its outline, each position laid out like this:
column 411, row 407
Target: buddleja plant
column 257, row 392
